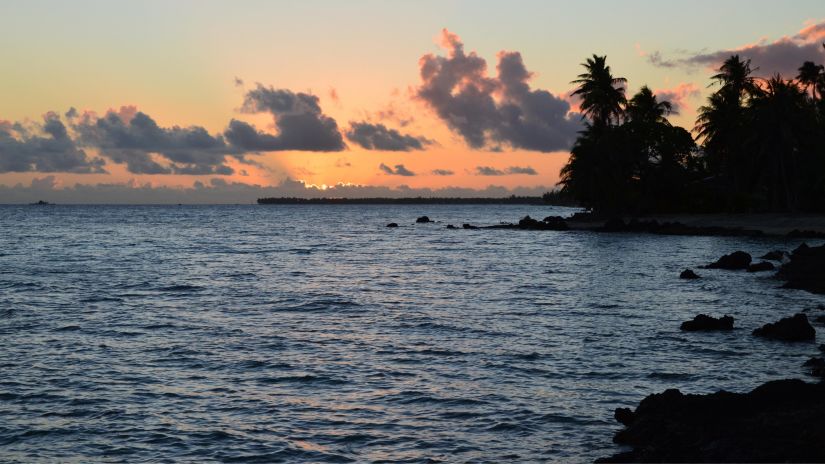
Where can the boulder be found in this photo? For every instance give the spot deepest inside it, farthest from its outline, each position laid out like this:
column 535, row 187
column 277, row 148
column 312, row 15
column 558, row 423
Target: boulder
column 790, row 329
column 423, row 220
column 549, row 223
column 689, row 274
column 780, row 421
column 469, row 226
column 705, row 323
column 776, row 255
column 805, row 270
column 392, row 224
column 816, row 367
column 450, row 226
column 734, row 261
column 761, row 267
column 614, row 225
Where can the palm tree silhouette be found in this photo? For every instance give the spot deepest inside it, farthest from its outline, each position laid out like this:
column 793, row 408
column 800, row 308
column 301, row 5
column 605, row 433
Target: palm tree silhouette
column 645, row 107
column 603, row 96
column 812, row 76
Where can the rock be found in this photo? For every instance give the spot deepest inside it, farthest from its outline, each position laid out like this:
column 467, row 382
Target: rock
column 624, row 416
column 761, row 267
column 822, row 347
column 689, row 274
column 468, row 226
column 796, row 233
column 704, row 323
column 734, row 261
column 549, row 223
column 423, row 220
column 816, row 367
column 614, row 225
column 805, row 270
column 780, row 421
column 450, row 226
column 555, row 223
column 392, row 224
column 789, row 329
column 775, row 255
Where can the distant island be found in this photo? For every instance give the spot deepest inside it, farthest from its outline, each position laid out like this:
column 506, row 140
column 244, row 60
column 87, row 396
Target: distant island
column 554, row 198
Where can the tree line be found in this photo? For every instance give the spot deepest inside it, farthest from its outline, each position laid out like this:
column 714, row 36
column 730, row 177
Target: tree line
column 758, row 145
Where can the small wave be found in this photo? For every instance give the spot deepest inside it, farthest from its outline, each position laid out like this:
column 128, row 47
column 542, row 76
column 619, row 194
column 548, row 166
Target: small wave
column 180, row 288
column 68, row 328
column 669, row 375
column 303, row 379
column 101, row 299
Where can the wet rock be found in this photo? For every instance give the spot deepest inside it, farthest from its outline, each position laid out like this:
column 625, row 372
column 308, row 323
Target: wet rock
column 450, row 226
column 734, row 261
column 614, row 225
column 555, row 223
column 423, row 220
column 822, row 347
column 705, row 323
column 624, row 415
column 392, row 224
column 780, row 421
column 764, row 266
column 816, row 367
column 689, row 274
column 790, row 329
column 796, row 233
column 805, row 270
column 776, row 255
column 469, row 226
column 549, row 223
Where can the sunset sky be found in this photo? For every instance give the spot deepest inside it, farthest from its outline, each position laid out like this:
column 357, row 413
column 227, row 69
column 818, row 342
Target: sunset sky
column 374, row 94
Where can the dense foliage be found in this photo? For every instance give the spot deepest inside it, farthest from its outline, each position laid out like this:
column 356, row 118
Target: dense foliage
column 759, row 145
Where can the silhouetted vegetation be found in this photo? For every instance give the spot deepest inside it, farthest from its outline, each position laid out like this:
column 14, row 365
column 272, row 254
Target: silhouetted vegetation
column 759, row 145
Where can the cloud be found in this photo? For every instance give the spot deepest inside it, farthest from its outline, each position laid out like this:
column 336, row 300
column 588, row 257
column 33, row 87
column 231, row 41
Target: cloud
column 298, row 118
column 526, row 170
column 45, row 147
column 379, row 137
column 678, row 96
column 399, row 170
column 132, row 137
column 487, row 110
column 783, row 56
column 220, row 191
column 490, row 171
column 442, row 172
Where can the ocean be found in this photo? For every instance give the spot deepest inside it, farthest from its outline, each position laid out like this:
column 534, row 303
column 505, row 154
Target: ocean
column 316, row 334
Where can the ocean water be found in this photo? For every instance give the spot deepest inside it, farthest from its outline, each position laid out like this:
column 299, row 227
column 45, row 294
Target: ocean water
column 316, row 334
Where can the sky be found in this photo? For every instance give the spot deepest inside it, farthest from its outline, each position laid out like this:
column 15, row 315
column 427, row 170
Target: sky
column 213, row 101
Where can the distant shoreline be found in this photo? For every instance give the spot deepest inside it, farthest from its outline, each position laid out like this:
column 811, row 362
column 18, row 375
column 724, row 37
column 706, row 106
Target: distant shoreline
column 511, row 200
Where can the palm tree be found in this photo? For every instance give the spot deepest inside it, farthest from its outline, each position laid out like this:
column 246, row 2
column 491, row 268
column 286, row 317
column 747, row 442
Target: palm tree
column 736, row 79
column 603, row 96
column 812, row 76
column 645, row 107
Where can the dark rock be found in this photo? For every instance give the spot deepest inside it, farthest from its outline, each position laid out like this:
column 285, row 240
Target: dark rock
column 789, row 329
column 816, row 367
column 450, row 226
column 780, row 421
column 624, row 416
column 775, row 255
column 689, row 274
column 703, row 322
column 796, row 233
column 423, row 220
column 468, row 226
column 392, row 224
column 614, row 225
column 555, row 223
column 761, row 267
column 549, row 223
column 805, row 270
column 822, row 347
column 734, row 261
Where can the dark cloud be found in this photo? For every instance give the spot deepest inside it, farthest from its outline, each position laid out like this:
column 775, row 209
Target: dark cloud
column 526, row 170
column 399, row 170
column 488, row 171
column 501, row 109
column 24, row 150
column 678, row 96
column 298, row 118
column 379, row 137
column 131, row 137
column 512, row 170
column 783, row 56
column 442, row 172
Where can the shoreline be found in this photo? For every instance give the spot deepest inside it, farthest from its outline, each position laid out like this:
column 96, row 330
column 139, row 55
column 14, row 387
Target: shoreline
column 769, row 224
